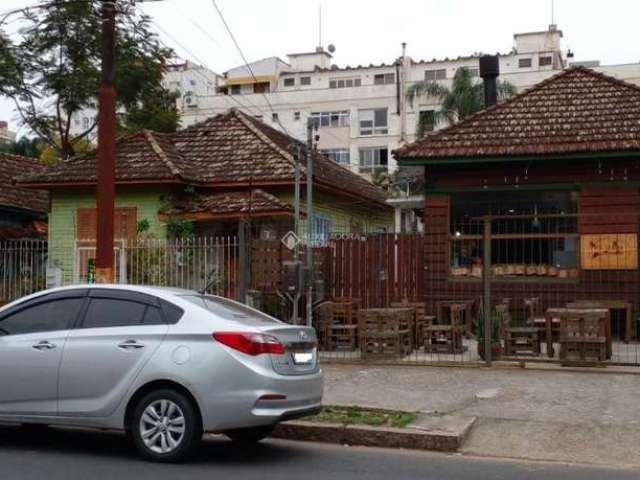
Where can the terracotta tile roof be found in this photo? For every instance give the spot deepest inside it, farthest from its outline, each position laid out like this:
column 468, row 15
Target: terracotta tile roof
column 35, row 230
column 325, row 170
column 229, row 149
column 233, row 204
column 577, row 110
column 19, row 197
column 144, row 155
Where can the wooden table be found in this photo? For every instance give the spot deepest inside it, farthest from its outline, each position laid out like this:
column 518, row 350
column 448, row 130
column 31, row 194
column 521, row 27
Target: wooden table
column 467, row 305
column 552, row 315
column 629, row 327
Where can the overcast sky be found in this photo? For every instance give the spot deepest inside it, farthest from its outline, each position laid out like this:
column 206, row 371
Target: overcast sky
column 370, row 31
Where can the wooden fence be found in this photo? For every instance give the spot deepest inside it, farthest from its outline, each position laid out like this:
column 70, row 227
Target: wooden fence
column 376, row 269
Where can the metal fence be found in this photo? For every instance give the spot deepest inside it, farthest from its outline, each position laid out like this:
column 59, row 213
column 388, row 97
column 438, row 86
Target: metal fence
column 401, row 298
column 211, row 263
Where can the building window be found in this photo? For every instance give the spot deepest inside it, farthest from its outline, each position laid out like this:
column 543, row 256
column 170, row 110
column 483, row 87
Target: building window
column 296, row 116
column 331, row 119
column 373, row 159
column 373, row 122
column 305, row 80
column 192, row 82
column 533, row 234
column 546, row 61
column 524, row 63
column 274, row 116
column 262, row 87
column 433, row 75
column 339, row 155
column 289, row 82
column 345, row 82
column 427, row 122
column 384, row 78
column 473, row 71
column 235, row 89
column 258, row 117
column 85, row 122
column 321, row 229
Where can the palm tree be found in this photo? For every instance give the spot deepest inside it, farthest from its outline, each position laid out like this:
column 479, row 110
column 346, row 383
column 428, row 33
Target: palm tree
column 464, row 98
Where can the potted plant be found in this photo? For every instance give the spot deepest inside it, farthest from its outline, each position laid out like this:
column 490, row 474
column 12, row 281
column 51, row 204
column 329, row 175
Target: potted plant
column 496, row 345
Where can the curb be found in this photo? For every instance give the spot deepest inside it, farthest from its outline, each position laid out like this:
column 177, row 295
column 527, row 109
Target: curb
column 366, row 436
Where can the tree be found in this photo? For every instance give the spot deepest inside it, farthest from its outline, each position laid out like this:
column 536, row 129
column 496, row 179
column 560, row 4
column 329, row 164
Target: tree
column 24, row 146
column 464, row 98
column 57, row 65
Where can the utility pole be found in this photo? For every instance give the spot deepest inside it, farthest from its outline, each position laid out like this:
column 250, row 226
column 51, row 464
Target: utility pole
column 310, row 153
column 106, row 158
column 296, row 216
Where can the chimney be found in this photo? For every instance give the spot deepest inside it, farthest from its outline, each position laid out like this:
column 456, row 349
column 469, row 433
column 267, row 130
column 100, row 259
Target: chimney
column 489, row 71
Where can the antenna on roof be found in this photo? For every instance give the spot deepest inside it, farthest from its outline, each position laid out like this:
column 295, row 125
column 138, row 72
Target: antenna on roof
column 553, row 12
column 320, row 24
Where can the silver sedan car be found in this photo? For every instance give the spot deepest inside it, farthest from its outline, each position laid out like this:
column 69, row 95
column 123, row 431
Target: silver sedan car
column 164, row 365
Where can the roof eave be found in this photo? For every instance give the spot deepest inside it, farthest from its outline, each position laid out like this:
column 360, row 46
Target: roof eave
column 424, row 161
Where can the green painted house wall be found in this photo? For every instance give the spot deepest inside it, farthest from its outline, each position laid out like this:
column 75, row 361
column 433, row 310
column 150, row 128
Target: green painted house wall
column 344, row 215
column 62, row 221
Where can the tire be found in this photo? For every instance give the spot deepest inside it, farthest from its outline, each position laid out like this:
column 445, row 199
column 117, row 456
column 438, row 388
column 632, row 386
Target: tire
column 249, row 435
column 165, row 426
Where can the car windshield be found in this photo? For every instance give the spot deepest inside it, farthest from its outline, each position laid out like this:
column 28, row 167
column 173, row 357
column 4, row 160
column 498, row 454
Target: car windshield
column 229, row 309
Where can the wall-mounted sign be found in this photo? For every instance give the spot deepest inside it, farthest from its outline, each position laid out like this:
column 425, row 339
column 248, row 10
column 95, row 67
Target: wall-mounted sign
column 618, row 251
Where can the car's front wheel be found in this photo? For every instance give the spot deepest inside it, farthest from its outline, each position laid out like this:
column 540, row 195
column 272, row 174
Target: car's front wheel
column 165, row 426
column 249, row 435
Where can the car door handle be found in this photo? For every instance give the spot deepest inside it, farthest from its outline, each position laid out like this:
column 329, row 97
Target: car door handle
column 44, row 345
column 130, row 345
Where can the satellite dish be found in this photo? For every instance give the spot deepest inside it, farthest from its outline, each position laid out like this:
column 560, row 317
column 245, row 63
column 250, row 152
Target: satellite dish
column 331, row 48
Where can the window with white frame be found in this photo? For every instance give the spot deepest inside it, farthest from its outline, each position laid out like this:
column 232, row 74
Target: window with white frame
column 321, row 228
column 545, row 61
column 338, row 155
column 436, row 74
column 331, row 119
column 305, row 80
column 384, row 78
column 289, row 82
column 373, row 121
column 345, row 82
column 373, row 158
column 524, row 63
column 296, row 116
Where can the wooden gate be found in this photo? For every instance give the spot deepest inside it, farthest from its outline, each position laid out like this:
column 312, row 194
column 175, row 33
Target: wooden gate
column 376, row 269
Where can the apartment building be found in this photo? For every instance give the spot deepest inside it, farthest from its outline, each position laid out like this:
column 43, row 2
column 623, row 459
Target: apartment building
column 362, row 111
column 189, row 82
column 6, row 135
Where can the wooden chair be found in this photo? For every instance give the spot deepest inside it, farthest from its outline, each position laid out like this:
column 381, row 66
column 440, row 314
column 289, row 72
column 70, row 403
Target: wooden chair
column 385, row 332
column 420, row 320
column 534, row 317
column 583, row 337
column 517, row 340
column 342, row 331
column 446, row 337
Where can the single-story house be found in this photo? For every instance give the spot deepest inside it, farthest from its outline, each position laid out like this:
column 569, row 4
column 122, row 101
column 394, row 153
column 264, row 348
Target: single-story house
column 226, row 168
column 555, row 172
column 23, row 211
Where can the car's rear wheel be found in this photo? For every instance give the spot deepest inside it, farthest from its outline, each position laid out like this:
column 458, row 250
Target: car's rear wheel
column 165, row 426
column 249, row 435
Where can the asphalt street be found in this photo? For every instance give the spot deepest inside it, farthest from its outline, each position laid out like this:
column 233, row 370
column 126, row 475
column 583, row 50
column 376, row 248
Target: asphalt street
column 69, row 454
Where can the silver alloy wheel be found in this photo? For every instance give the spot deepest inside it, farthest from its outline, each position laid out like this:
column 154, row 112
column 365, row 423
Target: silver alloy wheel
column 162, row 426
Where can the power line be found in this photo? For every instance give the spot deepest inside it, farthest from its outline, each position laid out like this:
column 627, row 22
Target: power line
column 244, row 59
column 195, row 57
column 196, row 24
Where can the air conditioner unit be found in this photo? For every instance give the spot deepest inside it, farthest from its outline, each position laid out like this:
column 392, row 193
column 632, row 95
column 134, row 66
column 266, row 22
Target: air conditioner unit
column 191, row 101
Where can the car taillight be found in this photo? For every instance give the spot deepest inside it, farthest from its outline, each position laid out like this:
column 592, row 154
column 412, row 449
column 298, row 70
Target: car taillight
column 250, row 343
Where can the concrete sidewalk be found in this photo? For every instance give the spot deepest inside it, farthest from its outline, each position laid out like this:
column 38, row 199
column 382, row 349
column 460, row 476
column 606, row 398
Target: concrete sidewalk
column 538, row 415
